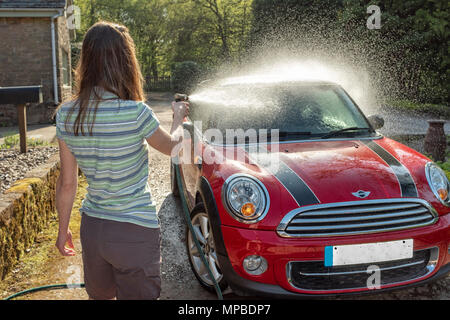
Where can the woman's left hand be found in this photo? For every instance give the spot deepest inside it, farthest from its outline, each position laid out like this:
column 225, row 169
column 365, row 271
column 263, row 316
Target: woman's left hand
column 180, row 109
column 64, row 238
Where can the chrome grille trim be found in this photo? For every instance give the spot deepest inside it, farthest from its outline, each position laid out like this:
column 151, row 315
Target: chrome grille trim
column 365, row 210
column 357, row 217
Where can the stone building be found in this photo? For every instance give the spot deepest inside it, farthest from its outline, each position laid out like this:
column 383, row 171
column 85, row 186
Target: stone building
column 35, row 50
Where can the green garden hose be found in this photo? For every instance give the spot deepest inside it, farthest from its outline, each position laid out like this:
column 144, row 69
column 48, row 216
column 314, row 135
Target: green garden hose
column 194, row 236
column 49, row 287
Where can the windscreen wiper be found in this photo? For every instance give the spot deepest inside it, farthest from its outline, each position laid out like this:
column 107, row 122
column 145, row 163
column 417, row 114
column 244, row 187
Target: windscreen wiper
column 285, row 134
column 334, row 133
column 289, row 134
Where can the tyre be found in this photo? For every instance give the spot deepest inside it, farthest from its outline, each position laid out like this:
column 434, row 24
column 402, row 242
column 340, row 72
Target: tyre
column 173, row 181
column 201, row 223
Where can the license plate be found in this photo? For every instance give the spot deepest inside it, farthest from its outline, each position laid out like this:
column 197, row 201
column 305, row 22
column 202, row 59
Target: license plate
column 368, row 252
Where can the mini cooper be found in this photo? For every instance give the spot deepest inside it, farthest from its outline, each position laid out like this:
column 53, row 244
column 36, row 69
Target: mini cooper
column 323, row 205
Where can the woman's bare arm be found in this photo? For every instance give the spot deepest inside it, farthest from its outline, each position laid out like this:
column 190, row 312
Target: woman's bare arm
column 163, row 141
column 66, row 189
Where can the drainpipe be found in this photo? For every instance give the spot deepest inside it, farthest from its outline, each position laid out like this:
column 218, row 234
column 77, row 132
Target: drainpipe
column 55, row 74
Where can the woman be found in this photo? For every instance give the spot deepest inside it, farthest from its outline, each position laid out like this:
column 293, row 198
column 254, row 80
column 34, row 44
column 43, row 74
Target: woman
column 104, row 130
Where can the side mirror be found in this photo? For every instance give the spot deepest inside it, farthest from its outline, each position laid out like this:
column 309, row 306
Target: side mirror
column 376, row 121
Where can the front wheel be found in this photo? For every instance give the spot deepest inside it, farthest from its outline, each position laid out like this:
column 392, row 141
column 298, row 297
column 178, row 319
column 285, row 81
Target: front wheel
column 203, row 231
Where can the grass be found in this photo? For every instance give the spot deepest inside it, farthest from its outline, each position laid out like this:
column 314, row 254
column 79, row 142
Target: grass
column 13, row 140
column 445, row 165
column 42, row 263
column 437, row 110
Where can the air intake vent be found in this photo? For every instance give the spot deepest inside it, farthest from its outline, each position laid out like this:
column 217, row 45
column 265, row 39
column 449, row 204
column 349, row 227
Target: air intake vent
column 313, row 275
column 357, row 217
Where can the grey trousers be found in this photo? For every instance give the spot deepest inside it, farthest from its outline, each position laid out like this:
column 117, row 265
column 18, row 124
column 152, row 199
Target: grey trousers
column 120, row 260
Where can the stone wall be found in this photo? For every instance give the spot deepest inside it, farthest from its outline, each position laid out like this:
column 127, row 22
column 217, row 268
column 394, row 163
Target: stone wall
column 25, row 209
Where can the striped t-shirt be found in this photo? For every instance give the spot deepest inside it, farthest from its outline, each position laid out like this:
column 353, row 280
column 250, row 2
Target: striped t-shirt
column 114, row 159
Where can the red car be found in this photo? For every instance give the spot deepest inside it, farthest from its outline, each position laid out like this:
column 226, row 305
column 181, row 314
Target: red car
column 325, row 205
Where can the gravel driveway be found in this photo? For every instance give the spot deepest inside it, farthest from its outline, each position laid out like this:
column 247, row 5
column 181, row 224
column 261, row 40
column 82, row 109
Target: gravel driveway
column 14, row 165
column 398, row 122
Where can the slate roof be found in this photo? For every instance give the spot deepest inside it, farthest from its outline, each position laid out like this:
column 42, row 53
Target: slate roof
column 33, row 4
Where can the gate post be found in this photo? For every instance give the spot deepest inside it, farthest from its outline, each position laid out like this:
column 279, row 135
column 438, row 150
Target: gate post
column 435, row 140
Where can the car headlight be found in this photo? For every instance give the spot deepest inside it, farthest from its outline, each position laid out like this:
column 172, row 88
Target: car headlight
column 438, row 182
column 245, row 198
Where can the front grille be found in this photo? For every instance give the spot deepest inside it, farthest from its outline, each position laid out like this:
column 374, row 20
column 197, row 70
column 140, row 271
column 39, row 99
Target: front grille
column 313, row 275
column 356, row 217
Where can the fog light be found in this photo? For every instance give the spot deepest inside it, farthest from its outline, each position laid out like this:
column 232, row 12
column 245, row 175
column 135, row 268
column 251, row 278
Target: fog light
column 255, row 265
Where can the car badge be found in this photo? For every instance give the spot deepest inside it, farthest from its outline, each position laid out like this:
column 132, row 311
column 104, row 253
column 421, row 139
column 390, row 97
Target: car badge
column 361, row 194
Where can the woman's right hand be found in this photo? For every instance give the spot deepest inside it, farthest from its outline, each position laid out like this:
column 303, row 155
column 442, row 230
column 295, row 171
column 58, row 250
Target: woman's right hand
column 63, row 239
column 180, row 110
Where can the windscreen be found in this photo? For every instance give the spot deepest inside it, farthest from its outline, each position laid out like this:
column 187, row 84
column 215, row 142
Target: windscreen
column 313, row 109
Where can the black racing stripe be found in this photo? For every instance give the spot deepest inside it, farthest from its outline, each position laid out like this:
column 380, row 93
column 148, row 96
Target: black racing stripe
column 407, row 185
column 288, row 178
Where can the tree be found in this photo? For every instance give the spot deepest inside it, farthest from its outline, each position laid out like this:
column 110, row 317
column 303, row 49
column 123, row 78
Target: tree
column 406, row 58
column 211, row 30
column 144, row 18
column 185, row 76
column 208, row 32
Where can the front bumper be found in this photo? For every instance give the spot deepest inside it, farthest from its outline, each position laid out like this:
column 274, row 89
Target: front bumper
column 279, row 252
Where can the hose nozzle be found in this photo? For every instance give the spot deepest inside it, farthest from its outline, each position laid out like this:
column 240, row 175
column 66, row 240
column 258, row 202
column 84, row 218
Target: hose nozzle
column 181, row 97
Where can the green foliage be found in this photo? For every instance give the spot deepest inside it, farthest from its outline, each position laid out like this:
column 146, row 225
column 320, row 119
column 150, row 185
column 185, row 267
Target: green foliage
column 185, row 76
column 167, row 32
column 278, row 21
column 10, row 141
column 13, row 140
column 436, row 110
column 409, row 52
column 445, row 166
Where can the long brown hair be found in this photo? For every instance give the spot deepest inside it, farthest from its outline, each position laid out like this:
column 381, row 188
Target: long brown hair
column 107, row 62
